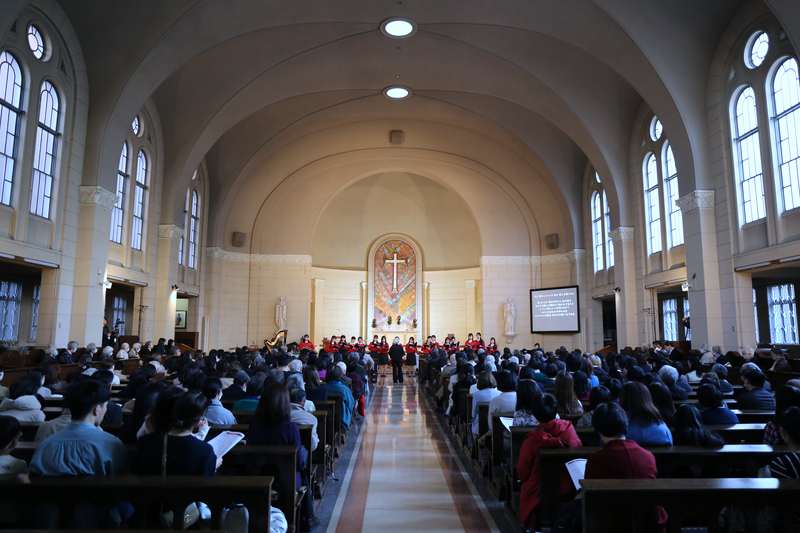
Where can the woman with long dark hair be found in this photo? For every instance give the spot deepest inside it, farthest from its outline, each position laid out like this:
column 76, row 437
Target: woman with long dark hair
column 688, row 429
column 645, row 424
column 273, row 426
column 564, row 391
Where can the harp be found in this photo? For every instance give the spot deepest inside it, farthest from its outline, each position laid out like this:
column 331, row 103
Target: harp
column 272, row 344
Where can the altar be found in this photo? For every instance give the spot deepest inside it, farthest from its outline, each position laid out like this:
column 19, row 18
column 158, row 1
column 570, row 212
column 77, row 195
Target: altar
column 404, row 336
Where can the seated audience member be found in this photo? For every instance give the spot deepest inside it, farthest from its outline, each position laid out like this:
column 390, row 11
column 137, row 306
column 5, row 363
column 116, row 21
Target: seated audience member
column 645, row 425
column 145, row 401
column 314, row 390
column 52, row 379
column 696, row 373
column 136, row 380
column 715, row 410
column 355, row 379
column 550, row 372
column 785, row 397
column 80, row 449
column 669, row 375
column 688, row 429
column 114, row 410
column 528, row 393
column 581, row 386
column 300, row 416
column 333, row 383
column 564, row 392
column 108, row 364
column 779, row 361
column 22, row 402
column 250, row 401
column 123, row 354
column 487, row 390
column 273, row 426
column 597, row 396
column 662, row 399
column 754, row 396
column 10, row 467
column 550, row 433
column 752, row 366
column 464, row 378
column 722, row 373
column 68, row 355
column 185, row 454
column 216, row 415
column 506, row 401
column 621, row 458
column 788, row 466
column 237, row 389
column 10, row 431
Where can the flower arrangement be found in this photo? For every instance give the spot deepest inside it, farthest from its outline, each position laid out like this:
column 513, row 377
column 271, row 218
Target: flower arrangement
column 398, row 319
column 374, row 324
column 414, row 323
column 389, row 320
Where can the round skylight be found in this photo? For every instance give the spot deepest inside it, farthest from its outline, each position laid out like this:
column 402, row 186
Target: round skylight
column 757, row 49
column 656, row 129
column 396, row 92
column 398, row 28
column 36, row 42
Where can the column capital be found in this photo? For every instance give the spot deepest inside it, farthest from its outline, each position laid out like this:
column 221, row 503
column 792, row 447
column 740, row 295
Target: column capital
column 93, row 195
column 319, row 283
column 696, row 200
column 170, row 231
column 363, row 285
column 425, row 285
column 622, row 233
column 469, row 283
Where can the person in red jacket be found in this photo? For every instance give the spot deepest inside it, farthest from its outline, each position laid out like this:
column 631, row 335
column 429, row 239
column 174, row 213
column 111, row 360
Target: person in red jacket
column 360, row 346
column 479, row 344
column 306, row 344
column 333, row 344
column 426, row 348
column 353, row 346
column 383, row 356
column 470, row 342
column 434, row 344
column 622, row 459
column 411, row 356
column 492, row 347
column 550, row 433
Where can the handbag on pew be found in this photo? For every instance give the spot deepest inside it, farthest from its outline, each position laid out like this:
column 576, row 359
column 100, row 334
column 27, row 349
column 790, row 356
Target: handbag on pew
column 190, row 515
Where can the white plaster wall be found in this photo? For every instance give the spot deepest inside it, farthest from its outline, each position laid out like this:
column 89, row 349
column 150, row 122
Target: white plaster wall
column 230, row 289
column 447, row 304
column 269, row 281
column 342, row 308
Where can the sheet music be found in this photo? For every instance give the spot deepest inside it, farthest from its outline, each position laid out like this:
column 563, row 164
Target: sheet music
column 576, row 469
column 226, row 440
column 507, row 422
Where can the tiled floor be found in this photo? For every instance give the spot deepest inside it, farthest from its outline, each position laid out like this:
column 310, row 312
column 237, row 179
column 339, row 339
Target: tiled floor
column 406, row 475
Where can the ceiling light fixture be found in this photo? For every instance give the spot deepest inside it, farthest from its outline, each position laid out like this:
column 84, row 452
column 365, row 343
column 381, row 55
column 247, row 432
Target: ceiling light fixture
column 397, row 92
column 398, row 28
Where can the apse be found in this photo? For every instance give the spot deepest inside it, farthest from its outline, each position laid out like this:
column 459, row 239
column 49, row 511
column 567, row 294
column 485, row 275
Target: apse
column 396, row 202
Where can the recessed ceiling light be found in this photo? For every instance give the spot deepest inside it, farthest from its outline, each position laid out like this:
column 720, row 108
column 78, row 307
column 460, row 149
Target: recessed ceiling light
column 397, row 92
column 398, row 28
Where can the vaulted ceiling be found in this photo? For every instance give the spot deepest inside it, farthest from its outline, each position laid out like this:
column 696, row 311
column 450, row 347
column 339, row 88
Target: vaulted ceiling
column 557, row 83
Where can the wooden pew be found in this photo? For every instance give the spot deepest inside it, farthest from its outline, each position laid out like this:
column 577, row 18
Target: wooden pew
column 749, row 416
column 684, row 499
column 735, row 434
column 277, row 462
column 331, row 434
column 672, row 461
column 176, row 492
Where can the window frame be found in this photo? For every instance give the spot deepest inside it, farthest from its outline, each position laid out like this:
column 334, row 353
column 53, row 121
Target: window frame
column 671, row 210
column 8, row 108
column 194, row 228
column 775, row 142
column 140, row 201
column 650, row 202
column 598, row 252
column 118, row 210
column 46, row 182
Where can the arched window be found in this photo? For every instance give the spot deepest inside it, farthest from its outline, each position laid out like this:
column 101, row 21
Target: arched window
column 139, row 200
column 118, row 213
column 786, row 102
column 674, row 218
column 748, row 157
column 44, row 159
column 194, row 223
column 10, row 101
column 597, row 232
column 609, row 242
column 651, row 204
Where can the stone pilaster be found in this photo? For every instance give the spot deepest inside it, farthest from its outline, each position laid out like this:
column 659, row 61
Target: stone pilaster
column 625, row 298
column 169, row 236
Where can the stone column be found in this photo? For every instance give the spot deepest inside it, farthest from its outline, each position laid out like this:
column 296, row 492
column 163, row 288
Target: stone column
column 625, row 276
column 470, row 285
column 169, row 235
column 88, row 295
column 702, row 268
column 424, row 322
column 364, row 311
column 319, row 297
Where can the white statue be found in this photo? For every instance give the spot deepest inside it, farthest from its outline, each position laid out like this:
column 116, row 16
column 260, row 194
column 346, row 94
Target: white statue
column 280, row 314
column 509, row 315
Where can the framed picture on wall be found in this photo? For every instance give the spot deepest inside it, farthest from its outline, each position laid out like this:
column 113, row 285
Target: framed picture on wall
column 180, row 319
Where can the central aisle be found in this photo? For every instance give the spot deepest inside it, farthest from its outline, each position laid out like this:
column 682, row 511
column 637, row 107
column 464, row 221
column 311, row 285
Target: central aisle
column 406, row 477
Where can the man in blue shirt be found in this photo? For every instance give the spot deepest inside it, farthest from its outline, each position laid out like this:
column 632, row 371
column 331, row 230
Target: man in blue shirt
column 82, row 448
column 333, row 383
